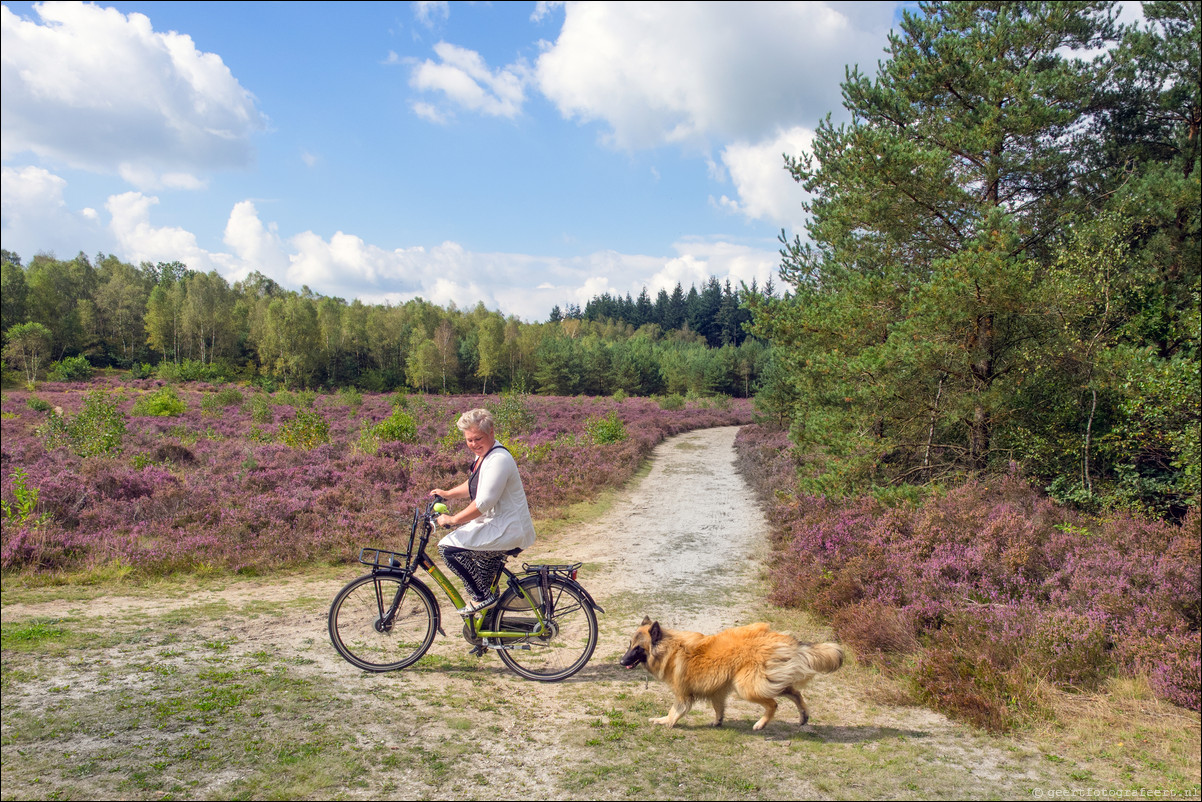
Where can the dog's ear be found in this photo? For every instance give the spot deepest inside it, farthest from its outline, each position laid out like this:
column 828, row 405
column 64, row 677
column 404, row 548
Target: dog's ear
column 656, row 633
column 646, row 621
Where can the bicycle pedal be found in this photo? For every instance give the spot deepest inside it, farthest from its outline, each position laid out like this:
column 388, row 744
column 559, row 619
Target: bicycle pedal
column 479, row 650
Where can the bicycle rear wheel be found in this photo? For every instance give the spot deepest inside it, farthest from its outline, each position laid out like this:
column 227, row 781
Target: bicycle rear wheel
column 562, row 651
column 371, row 631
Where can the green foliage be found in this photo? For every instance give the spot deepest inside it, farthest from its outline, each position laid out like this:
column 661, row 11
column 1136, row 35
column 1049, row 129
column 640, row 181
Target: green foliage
column 399, row 427
column 192, row 370
column 674, row 401
column 261, row 408
column 97, row 430
column 25, row 502
column 38, row 404
column 512, row 416
column 307, row 430
column 1003, row 262
column 27, row 344
column 141, row 370
column 351, row 397
column 212, row 403
column 162, row 403
column 606, row 430
column 71, row 369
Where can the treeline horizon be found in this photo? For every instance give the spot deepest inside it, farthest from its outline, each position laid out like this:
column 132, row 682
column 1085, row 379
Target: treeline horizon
column 182, row 323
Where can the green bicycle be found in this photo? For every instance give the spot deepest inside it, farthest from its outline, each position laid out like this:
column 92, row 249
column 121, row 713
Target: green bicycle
column 543, row 628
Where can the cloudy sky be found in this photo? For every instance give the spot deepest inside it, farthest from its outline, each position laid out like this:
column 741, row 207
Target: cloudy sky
column 520, row 154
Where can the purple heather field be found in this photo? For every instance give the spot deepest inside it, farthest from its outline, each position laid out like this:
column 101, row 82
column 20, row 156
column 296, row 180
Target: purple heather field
column 216, row 486
column 978, row 593
column 992, row 580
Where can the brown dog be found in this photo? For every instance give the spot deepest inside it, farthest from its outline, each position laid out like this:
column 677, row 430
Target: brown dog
column 752, row 661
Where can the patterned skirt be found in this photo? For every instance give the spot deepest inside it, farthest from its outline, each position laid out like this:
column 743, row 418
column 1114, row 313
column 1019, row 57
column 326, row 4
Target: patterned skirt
column 477, row 569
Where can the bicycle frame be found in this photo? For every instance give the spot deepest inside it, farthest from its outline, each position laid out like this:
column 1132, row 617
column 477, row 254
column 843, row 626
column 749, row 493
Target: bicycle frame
column 418, row 558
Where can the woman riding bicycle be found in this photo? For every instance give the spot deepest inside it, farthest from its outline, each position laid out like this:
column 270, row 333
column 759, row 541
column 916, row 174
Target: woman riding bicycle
column 497, row 521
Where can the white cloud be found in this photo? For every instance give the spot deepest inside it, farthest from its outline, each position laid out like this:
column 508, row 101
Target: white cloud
column 542, row 9
column 691, row 73
column 346, row 266
column 429, row 11
column 35, row 216
column 140, row 241
column 96, row 89
column 467, row 82
column 765, row 189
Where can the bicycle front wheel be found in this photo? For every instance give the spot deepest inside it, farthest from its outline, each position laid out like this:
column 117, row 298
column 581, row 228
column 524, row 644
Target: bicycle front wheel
column 377, row 627
column 560, row 651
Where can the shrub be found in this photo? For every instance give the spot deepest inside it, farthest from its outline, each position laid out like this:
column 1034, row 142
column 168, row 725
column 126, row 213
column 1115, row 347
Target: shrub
column 193, row 370
column 351, row 397
column 604, row 431
column 214, row 403
column 38, row 404
column 260, row 408
column 397, row 428
column 162, row 403
column 512, row 415
column 305, row 431
column 97, row 430
column 71, row 369
column 141, row 370
column 400, row 427
column 672, row 402
column 25, row 502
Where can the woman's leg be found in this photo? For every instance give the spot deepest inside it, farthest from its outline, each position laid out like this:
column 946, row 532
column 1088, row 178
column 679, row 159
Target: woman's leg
column 477, row 569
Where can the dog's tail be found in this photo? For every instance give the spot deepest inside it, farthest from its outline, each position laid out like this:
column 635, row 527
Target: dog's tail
column 820, row 658
column 800, row 662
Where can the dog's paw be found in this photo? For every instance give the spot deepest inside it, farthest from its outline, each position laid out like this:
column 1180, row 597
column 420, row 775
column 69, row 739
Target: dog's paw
column 759, row 725
column 665, row 720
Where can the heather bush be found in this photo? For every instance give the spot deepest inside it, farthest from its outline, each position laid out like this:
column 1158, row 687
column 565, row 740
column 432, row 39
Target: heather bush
column 162, row 403
column 990, row 573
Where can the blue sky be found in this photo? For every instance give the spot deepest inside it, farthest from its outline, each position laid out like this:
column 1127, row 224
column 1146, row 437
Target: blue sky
column 520, row 154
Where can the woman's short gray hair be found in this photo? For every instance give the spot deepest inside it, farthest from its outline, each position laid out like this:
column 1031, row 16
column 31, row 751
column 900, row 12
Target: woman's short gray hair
column 476, row 419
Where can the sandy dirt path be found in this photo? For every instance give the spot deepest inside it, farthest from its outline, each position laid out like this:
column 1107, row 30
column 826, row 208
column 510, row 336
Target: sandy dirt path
column 683, row 544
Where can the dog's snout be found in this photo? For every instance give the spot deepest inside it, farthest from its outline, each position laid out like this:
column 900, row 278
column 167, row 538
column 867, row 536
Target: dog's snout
column 633, row 657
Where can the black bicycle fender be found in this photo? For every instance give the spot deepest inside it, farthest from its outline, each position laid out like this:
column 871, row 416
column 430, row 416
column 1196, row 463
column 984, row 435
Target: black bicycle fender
column 415, row 583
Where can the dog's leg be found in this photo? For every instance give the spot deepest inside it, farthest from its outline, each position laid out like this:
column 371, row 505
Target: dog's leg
column 769, row 711
column 719, row 709
column 795, row 695
column 681, row 707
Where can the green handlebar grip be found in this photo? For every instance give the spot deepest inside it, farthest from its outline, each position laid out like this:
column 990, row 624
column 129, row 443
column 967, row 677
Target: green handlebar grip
column 442, row 509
